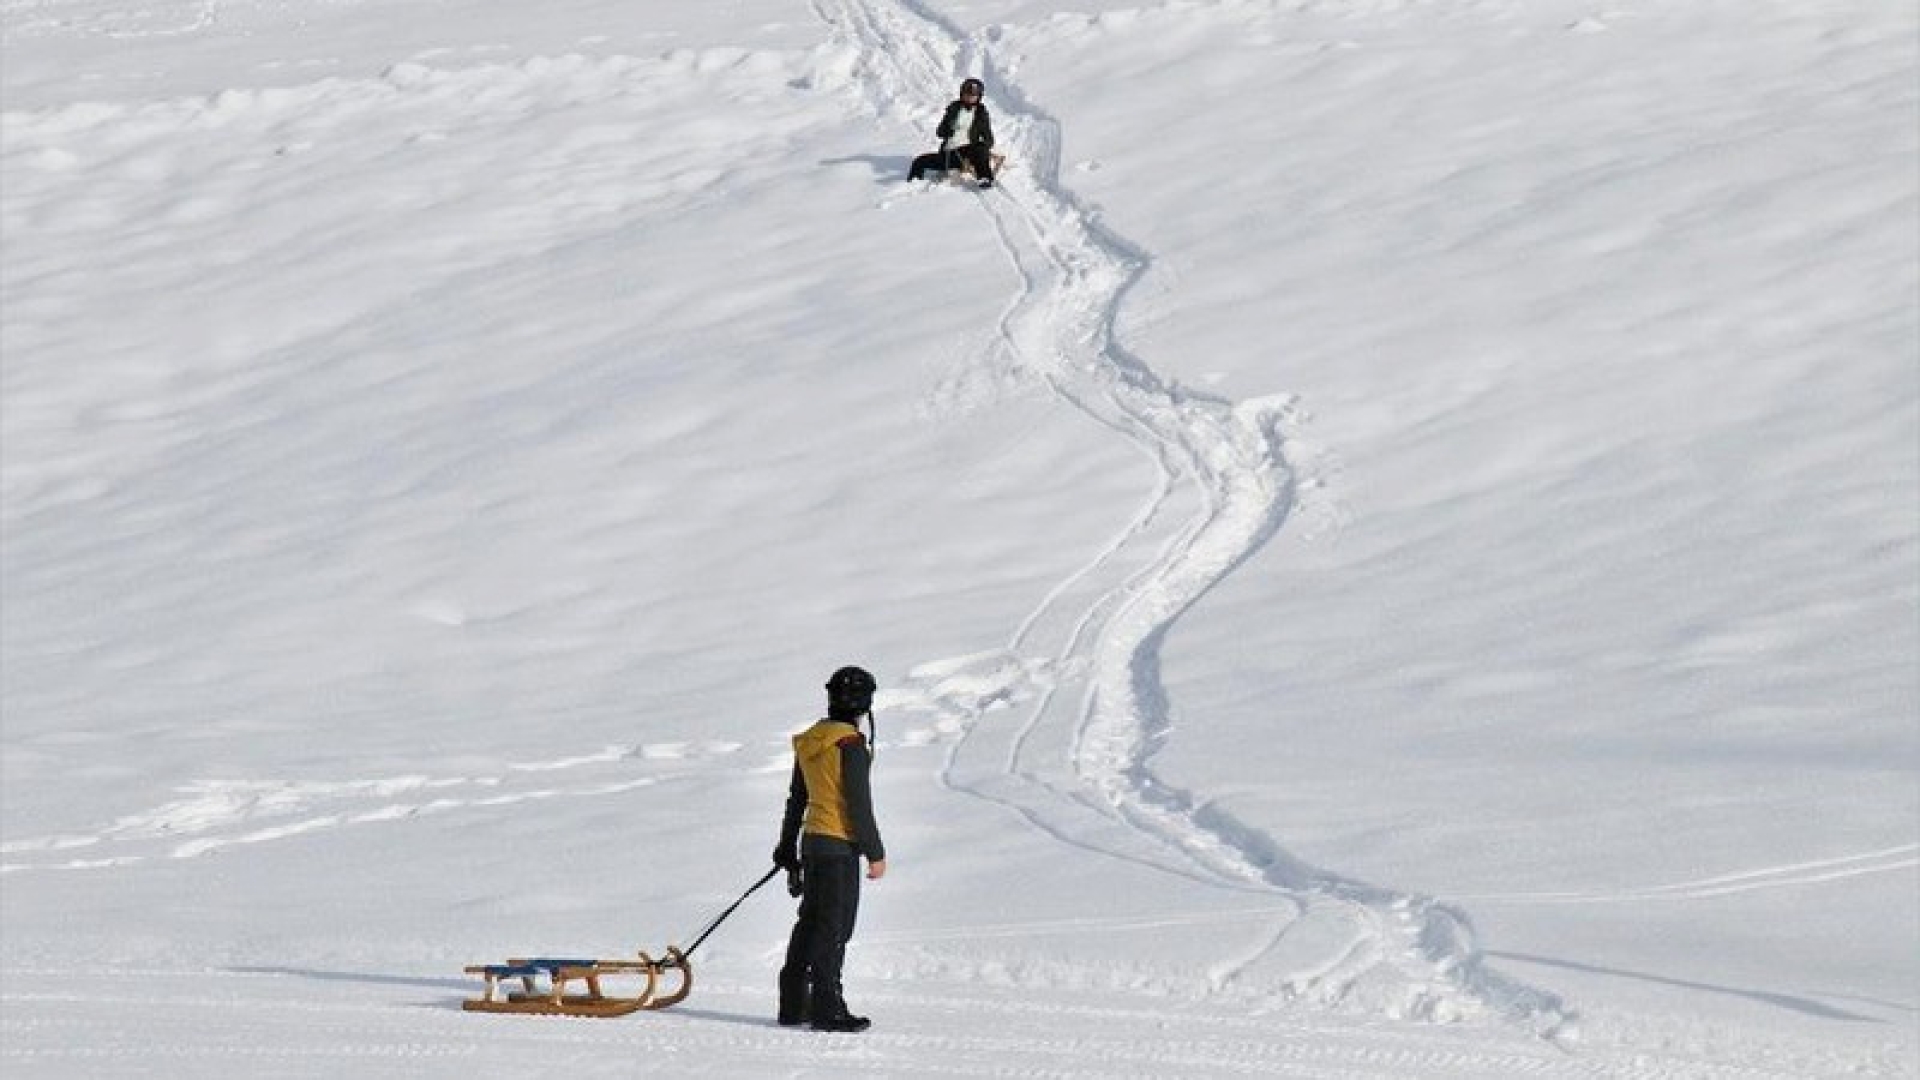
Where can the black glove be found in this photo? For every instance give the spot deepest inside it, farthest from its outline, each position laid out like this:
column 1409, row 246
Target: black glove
column 796, row 881
column 785, row 858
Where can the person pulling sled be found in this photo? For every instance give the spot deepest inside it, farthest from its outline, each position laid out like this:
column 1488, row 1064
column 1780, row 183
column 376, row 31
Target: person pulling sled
column 966, row 138
column 827, row 829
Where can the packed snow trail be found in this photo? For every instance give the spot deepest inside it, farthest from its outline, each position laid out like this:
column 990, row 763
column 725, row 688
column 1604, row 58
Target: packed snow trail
column 1085, row 664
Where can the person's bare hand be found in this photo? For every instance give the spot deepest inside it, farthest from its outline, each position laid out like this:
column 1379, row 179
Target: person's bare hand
column 876, row 869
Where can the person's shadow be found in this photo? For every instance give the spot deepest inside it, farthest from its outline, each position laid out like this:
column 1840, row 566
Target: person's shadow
column 723, row 1018
column 452, row 1002
column 886, row 168
column 448, row 1001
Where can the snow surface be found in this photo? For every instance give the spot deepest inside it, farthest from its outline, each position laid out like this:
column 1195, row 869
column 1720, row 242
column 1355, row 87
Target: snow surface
column 1389, row 542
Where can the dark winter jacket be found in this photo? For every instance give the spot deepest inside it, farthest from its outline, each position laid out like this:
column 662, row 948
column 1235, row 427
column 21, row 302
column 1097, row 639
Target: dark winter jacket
column 829, row 794
column 979, row 133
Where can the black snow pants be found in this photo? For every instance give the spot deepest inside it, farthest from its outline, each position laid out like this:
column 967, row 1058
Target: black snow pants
column 977, row 157
column 829, row 904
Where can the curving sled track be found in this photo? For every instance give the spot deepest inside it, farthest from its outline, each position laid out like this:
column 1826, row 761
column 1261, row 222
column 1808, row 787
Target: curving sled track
column 1085, row 663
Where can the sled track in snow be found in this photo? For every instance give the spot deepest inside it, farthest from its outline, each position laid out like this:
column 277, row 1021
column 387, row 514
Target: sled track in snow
column 1085, row 664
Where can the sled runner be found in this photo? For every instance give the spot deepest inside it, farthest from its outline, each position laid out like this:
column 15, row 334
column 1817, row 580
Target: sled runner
column 559, row 987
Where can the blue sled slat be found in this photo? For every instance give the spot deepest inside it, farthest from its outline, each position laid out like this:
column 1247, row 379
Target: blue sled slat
column 538, row 966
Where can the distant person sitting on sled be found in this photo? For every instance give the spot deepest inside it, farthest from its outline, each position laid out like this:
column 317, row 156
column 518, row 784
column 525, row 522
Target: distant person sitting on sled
column 966, row 138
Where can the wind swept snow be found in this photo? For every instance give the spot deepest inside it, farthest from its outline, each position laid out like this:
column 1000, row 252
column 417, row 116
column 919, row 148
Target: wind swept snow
column 1388, row 539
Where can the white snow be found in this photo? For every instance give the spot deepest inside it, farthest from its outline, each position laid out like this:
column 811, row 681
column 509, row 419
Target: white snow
column 1389, row 542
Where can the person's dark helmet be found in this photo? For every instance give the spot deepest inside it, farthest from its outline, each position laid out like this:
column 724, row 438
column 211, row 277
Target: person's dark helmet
column 972, row 86
column 850, row 691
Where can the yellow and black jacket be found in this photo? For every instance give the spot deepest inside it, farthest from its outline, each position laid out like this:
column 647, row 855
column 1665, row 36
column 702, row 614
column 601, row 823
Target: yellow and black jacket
column 829, row 799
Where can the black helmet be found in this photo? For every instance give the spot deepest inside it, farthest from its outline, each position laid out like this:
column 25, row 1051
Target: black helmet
column 850, row 692
column 972, row 86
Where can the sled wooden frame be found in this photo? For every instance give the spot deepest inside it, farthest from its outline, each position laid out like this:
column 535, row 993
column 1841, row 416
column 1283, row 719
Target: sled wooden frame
column 573, row 987
column 963, row 173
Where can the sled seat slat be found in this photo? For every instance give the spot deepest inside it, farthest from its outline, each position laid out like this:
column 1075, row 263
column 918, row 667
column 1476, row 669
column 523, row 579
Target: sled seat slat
column 551, row 963
column 527, row 969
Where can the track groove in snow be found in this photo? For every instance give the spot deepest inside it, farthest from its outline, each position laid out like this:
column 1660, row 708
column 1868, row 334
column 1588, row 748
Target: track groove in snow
column 1816, row 872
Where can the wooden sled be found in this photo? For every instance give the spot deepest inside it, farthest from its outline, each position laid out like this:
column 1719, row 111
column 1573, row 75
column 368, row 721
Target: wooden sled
column 964, row 174
column 575, row 987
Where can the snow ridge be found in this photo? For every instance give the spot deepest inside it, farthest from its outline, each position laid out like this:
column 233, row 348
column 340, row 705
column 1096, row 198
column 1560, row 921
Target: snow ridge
column 212, row 816
column 1085, row 664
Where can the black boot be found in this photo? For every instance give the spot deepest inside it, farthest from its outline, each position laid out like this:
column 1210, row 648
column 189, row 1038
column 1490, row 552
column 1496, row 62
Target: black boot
column 842, row 1021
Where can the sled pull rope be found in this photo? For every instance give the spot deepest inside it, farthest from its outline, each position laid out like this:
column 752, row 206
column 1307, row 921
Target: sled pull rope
column 722, row 917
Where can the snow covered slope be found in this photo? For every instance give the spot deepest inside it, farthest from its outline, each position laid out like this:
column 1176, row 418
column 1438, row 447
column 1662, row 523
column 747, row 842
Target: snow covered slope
column 1389, row 540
